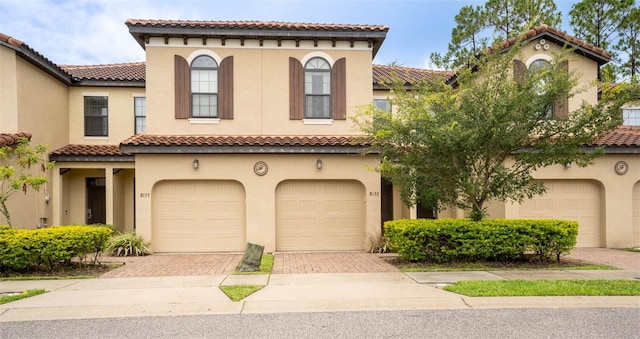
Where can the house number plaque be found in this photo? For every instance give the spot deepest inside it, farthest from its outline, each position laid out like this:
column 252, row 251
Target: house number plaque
column 260, row 168
column 621, row 167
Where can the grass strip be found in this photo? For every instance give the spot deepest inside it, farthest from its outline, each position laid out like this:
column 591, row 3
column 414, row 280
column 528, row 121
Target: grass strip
column 526, row 288
column 489, row 266
column 266, row 265
column 239, row 292
column 26, row 294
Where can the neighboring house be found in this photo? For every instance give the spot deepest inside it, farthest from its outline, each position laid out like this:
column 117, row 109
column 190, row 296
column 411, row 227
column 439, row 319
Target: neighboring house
column 233, row 132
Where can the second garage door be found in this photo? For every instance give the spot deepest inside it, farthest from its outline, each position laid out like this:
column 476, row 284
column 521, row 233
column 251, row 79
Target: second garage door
column 578, row 200
column 320, row 215
column 198, row 216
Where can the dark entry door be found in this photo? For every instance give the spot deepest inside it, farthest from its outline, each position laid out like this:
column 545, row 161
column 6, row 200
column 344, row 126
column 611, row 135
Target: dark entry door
column 386, row 200
column 96, row 201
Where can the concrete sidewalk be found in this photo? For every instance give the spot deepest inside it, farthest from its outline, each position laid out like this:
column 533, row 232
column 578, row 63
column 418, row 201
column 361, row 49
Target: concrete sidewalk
column 321, row 292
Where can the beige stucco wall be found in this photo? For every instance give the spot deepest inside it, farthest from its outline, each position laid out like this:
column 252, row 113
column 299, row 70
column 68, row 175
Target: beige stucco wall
column 260, row 190
column 33, row 101
column 261, row 87
column 120, row 113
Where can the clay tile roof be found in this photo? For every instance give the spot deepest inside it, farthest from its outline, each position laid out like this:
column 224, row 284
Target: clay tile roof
column 8, row 139
column 254, row 25
column 89, row 150
column 532, row 33
column 11, row 40
column 204, row 140
column 130, row 71
column 385, row 75
column 622, row 136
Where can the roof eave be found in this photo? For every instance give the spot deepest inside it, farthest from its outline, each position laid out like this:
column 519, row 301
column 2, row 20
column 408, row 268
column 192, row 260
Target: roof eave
column 109, row 83
column 39, row 61
column 142, row 33
column 91, row 158
column 600, row 59
column 199, row 149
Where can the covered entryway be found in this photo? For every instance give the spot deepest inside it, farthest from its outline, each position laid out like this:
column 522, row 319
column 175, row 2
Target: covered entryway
column 320, row 215
column 579, row 200
column 198, row 216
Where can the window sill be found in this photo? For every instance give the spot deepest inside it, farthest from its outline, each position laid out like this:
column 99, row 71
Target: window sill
column 317, row 121
column 95, row 138
column 206, row 121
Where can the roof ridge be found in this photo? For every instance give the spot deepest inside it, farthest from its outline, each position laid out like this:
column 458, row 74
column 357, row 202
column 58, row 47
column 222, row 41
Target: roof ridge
column 293, row 24
column 132, row 63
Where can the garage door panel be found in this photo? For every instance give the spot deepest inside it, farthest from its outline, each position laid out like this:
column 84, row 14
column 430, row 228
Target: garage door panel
column 576, row 200
column 319, row 215
column 198, row 216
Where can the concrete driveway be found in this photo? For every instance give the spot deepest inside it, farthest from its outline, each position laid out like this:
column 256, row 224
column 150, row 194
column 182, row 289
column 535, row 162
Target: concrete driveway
column 163, row 265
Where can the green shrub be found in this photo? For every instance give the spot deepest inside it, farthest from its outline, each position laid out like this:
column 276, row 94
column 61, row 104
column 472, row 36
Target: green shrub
column 127, row 244
column 21, row 249
column 445, row 240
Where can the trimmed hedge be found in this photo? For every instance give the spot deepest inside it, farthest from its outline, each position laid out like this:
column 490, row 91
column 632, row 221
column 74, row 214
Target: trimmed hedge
column 22, row 249
column 445, row 240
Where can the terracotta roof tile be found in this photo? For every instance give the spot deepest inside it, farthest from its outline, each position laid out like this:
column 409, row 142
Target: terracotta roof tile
column 622, row 136
column 384, row 75
column 205, row 140
column 8, row 139
column 560, row 34
column 255, row 25
column 89, row 150
column 135, row 71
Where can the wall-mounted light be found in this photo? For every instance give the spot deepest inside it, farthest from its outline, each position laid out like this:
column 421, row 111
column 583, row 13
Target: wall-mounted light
column 567, row 165
column 47, row 198
column 196, row 163
column 319, row 164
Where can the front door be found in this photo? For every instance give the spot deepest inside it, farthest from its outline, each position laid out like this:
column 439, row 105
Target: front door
column 96, row 201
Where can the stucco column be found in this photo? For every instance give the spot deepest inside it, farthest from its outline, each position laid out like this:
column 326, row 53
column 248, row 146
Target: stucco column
column 108, row 182
column 56, row 197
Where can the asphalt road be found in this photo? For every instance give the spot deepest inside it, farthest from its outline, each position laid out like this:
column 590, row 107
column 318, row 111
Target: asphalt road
column 501, row 323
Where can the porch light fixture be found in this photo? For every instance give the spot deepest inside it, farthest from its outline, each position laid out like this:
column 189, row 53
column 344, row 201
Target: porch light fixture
column 567, row 165
column 196, row 163
column 319, row 164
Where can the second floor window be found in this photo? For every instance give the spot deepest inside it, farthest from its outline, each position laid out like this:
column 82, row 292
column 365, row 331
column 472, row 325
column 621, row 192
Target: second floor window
column 140, row 114
column 96, row 116
column 538, row 66
column 631, row 116
column 383, row 104
column 204, row 87
column 317, row 89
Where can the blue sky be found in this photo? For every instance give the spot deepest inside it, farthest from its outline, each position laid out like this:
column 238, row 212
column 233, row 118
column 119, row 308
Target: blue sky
column 87, row 32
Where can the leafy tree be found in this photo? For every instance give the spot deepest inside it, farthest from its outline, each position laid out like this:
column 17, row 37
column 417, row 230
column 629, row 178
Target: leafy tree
column 15, row 171
column 629, row 44
column 606, row 24
column 479, row 26
column 598, row 21
column 512, row 17
column 480, row 140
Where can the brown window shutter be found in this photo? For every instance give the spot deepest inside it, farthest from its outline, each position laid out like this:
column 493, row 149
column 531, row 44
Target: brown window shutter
column 296, row 89
column 519, row 71
column 225, row 88
column 339, row 90
column 561, row 108
column 182, row 87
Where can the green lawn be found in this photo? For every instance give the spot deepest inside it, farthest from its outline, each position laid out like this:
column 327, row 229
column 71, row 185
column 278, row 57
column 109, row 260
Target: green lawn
column 239, row 292
column 510, row 288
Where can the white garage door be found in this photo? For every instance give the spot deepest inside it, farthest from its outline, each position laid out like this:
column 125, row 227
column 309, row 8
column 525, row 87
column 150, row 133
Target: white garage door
column 578, row 200
column 636, row 215
column 198, row 216
column 320, row 215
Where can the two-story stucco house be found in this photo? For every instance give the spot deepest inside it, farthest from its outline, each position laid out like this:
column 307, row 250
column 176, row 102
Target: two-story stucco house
column 233, row 132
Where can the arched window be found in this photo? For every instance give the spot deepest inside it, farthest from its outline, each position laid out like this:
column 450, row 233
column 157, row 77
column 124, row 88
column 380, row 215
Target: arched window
column 317, row 89
column 536, row 67
column 204, row 87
